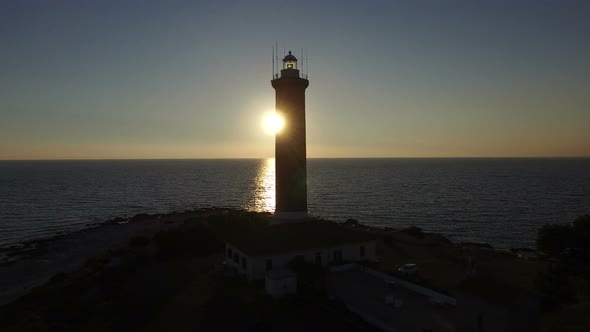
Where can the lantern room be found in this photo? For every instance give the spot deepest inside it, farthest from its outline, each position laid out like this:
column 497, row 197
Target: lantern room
column 289, row 61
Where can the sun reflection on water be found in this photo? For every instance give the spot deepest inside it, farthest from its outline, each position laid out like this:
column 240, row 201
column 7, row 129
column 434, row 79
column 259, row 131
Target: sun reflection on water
column 263, row 194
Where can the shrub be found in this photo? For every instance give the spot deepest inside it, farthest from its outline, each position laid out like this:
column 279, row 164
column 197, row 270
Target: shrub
column 555, row 287
column 387, row 239
column 582, row 231
column 139, row 241
column 552, row 239
column 414, row 232
column 351, row 222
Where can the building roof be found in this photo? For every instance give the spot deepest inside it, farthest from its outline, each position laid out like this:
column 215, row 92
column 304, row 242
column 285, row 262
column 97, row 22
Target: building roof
column 288, row 237
column 289, row 57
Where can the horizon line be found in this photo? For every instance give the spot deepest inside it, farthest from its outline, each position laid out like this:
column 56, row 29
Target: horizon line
column 257, row 158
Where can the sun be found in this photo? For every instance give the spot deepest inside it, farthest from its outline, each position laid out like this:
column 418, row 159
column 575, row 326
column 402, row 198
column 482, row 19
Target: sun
column 273, row 123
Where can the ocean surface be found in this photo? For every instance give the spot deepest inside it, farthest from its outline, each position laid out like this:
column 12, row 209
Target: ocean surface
column 499, row 201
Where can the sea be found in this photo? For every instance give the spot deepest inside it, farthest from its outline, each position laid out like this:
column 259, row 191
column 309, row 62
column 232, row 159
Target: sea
column 500, row 201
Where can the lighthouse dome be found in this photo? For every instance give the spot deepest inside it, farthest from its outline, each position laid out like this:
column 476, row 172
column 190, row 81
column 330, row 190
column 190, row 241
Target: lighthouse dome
column 289, row 57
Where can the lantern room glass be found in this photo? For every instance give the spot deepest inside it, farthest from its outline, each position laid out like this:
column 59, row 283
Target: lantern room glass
column 290, row 64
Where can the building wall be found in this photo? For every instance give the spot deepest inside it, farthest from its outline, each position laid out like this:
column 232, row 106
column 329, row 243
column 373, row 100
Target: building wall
column 238, row 266
column 256, row 265
column 281, row 287
column 351, row 253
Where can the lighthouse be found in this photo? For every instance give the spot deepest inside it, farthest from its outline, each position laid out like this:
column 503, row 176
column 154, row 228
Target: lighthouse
column 265, row 253
column 290, row 151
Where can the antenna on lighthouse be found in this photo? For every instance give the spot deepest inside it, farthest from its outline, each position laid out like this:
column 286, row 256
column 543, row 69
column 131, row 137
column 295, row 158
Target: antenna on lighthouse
column 273, row 62
column 306, row 65
column 277, row 58
column 302, row 64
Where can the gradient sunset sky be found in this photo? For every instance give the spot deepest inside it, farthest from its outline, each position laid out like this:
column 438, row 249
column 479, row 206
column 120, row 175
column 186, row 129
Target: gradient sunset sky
column 190, row 79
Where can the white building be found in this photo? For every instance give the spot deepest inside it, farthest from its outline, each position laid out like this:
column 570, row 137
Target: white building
column 272, row 248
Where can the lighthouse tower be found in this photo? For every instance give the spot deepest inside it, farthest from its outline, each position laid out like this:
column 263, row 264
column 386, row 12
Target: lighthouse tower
column 290, row 155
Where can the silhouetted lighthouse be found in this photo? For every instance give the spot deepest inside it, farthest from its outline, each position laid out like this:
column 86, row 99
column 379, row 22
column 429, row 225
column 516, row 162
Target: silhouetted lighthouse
column 290, row 155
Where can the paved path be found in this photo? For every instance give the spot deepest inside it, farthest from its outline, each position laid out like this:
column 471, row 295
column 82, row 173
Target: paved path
column 365, row 294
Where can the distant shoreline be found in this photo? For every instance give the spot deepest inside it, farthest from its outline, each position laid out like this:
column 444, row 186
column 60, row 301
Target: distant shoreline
column 37, row 247
column 259, row 158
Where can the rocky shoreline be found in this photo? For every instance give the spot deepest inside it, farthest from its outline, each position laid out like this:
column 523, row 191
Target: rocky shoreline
column 32, row 248
column 39, row 247
column 33, row 263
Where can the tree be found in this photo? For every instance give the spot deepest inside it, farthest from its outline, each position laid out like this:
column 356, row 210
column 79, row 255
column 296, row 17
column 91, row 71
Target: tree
column 582, row 231
column 553, row 238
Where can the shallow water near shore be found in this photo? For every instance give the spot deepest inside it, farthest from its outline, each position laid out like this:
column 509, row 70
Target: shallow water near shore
column 499, row 201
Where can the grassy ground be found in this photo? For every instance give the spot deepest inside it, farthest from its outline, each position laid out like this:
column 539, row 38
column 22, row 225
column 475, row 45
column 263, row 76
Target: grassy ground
column 133, row 290
column 238, row 305
column 174, row 282
column 570, row 318
column 443, row 265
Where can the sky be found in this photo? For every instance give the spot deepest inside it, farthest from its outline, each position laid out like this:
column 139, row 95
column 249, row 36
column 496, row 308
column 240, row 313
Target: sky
column 191, row 79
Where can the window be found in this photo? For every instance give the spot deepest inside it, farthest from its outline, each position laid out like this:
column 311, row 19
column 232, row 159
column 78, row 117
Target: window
column 244, row 263
column 362, row 251
column 318, row 258
column 268, row 264
column 229, row 253
column 236, row 257
column 289, row 66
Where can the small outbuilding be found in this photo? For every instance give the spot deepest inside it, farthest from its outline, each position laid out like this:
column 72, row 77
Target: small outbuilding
column 281, row 283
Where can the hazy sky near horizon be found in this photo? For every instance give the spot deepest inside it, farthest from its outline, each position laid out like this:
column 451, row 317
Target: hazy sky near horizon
column 190, row 79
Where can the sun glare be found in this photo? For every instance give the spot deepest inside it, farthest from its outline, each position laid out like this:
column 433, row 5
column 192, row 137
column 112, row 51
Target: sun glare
column 273, row 123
